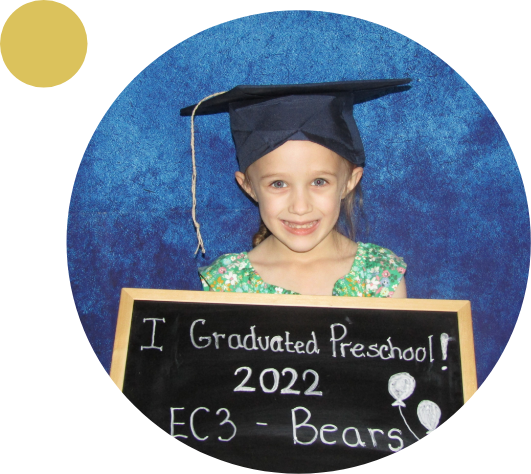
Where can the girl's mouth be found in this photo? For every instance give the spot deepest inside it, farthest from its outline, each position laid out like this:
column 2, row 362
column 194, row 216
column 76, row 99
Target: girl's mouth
column 303, row 228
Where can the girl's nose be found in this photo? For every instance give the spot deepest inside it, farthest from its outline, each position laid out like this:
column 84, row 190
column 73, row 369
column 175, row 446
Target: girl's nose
column 300, row 203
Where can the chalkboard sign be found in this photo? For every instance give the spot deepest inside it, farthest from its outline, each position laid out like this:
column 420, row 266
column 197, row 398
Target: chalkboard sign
column 291, row 383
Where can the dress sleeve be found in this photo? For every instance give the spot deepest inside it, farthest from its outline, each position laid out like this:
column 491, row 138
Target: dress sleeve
column 392, row 271
column 385, row 270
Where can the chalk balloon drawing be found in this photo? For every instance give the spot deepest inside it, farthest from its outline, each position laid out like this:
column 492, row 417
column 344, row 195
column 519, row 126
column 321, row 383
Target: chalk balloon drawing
column 401, row 386
column 429, row 414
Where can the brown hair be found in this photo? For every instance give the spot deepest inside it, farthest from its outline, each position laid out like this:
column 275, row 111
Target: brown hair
column 351, row 210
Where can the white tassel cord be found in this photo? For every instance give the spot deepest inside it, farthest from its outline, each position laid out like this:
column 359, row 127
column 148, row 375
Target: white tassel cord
column 197, row 226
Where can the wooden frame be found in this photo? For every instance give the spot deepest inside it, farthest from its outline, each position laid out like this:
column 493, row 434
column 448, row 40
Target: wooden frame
column 461, row 307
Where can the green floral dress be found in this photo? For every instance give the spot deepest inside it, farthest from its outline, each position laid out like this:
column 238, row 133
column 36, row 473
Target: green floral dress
column 376, row 272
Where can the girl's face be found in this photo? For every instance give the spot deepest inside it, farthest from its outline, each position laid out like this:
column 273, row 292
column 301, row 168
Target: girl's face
column 299, row 188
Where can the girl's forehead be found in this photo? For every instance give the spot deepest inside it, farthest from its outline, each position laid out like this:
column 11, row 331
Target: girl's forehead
column 299, row 157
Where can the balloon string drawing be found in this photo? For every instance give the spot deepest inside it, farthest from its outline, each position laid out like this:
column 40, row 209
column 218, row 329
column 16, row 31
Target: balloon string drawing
column 401, row 386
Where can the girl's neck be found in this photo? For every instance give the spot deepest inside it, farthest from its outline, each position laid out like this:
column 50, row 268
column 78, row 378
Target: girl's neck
column 308, row 273
column 335, row 246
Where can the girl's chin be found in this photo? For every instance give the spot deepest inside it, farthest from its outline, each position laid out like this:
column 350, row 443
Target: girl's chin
column 300, row 244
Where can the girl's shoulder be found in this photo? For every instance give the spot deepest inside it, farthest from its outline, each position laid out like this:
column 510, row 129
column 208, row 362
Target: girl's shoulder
column 229, row 272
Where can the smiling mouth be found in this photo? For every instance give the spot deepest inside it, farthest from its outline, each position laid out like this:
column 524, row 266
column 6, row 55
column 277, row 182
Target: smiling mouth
column 306, row 225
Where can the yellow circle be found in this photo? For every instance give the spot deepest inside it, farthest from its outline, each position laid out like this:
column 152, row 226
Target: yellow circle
column 43, row 43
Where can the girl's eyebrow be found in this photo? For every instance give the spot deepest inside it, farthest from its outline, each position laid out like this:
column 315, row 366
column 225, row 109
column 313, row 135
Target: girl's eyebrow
column 323, row 172
column 281, row 175
column 271, row 175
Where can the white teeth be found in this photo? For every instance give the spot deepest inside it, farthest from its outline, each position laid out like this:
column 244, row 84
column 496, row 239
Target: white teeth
column 300, row 226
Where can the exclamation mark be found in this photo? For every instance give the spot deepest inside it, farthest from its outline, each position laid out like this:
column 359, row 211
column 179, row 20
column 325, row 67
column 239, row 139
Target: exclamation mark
column 444, row 347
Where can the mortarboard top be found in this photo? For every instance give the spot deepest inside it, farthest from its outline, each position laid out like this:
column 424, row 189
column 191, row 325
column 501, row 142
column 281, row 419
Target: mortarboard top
column 263, row 118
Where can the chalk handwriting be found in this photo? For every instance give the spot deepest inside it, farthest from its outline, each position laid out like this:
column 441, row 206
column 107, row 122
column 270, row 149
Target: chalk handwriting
column 383, row 351
column 358, row 442
column 340, row 346
column 192, row 423
column 286, row 382
column 173, row 423
column 311, row 389
column 192, row 428
column 242, row 387
column 444, row 345
column 226, row 421
column 152, row 346
column 445, row 339
column 252, row 342
column 276, row 380
column 305, row 433
column 294, row 376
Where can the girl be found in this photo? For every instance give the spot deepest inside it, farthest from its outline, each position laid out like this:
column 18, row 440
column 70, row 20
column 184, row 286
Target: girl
column 301, row 159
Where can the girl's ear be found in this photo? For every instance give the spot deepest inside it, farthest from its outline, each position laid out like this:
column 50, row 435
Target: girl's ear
column 353, row 181
column 245, row 184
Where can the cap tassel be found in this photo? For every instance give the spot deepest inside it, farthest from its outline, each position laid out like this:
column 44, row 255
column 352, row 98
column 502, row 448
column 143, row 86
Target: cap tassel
column 200, row 243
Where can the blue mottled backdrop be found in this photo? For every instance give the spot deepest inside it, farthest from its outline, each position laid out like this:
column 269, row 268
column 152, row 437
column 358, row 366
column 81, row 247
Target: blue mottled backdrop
column 442, row 188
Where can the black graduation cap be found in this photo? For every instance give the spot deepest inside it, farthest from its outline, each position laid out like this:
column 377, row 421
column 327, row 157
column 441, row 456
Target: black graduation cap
column 262, row 118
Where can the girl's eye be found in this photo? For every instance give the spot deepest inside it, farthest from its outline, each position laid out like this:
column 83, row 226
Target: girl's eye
column 319, row 182
column 278, row 184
